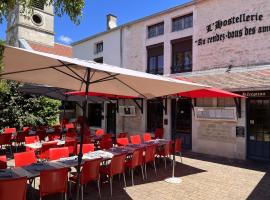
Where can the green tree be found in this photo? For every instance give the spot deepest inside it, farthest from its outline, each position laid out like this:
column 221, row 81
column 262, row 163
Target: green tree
column 18, row 110
column 73, row 8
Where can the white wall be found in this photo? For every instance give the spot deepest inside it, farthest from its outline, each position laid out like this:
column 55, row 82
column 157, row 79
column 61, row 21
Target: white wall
column 111, row 48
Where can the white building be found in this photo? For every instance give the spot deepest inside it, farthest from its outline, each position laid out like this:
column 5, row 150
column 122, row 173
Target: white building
column 215, row 42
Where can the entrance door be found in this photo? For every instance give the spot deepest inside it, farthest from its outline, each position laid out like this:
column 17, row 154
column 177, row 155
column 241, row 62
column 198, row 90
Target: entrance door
column 111, row 118
column 95, row 114
column 154, row 115
column 258, row 124
column 183, row 121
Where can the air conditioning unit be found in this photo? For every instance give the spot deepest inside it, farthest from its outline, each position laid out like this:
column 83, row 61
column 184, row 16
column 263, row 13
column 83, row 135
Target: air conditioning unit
column 127, row 111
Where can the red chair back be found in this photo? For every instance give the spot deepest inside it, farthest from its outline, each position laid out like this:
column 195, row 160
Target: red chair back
column 54, row 136
column 13, row 189
column 57, row 153
column 147, row 137
column 122, row 135
column 5, row 139
column 71, row 132
column 107, row 136
column 41, row 134
column 166, row 149
column 150, row 152
column 100, row 132
column 44, row 153
column 159, row 132
column 178, row 145
column 106, row 144
column 10, row 130
column 90, row 171
column 68, row 126
column 27, row 129
column 86, row 148
column 31, row 139
column 137, row 158
column 135, row 139
column 71, row 145
column 53, row 181
column 117, row 165
column 57, row 129
column 3, row 162
column 20, row 137
column 24, row 158
column 122, row 141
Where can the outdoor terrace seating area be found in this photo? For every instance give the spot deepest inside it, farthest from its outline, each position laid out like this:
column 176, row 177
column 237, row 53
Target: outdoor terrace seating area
column 45, row 160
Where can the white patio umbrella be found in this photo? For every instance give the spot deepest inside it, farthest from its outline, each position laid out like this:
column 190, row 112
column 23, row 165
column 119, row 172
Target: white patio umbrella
column 29, row 66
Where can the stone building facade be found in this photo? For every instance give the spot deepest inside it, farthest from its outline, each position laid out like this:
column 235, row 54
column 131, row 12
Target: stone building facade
column 219, row 43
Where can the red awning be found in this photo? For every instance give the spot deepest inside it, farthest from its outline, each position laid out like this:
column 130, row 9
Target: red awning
column 97, row 94
column 208, row 93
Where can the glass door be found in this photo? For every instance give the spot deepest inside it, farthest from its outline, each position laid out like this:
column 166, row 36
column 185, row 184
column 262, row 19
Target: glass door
column 258, row 124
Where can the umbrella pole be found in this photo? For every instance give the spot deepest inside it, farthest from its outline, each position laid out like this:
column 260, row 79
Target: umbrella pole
column 83, row 128
column 174, row 179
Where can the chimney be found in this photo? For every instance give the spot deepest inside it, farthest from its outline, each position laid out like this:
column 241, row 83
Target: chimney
column 111, row 21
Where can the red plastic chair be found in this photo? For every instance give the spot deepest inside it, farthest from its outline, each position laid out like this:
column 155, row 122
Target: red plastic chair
column 53, row 182
column 165, row 152
column 44, row 152
column 71, row 132
column 5, row 140
column 107, row 136
column 117, row 166
column 57, row 129
column 90, row 172
column 100, row 132
column 136, row 161
column 3, row 162
column 149, row 157
column 24, row 158
column 57, row 153
column 26, row 129
column 20, row 138
column 146, row 137
column 13, row 189
column 135, row 139
column 106, row 144
column 71, row 145
column 122, row 135
column 41, row 134
column 10, row 130
column 54, row 136
column 30, row 140
column 86, row 148
column 68, row 126
column 159, row 133
column 122, row 141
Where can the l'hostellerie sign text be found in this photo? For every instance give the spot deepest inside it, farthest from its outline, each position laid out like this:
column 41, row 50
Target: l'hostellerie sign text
column 245, row 31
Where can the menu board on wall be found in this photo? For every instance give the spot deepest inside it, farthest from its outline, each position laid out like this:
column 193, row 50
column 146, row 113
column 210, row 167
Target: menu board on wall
column 216, row 113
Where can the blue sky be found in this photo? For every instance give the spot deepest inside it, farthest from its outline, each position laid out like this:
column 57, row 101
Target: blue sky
column 94, row 16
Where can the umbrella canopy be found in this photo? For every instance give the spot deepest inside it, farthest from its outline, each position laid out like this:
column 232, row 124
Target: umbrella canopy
column 96, row 94
column 207, row 92
column 57, row 93
column 41, row 68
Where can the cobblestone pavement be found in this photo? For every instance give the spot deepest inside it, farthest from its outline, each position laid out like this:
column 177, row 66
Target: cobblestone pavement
column 203, row 177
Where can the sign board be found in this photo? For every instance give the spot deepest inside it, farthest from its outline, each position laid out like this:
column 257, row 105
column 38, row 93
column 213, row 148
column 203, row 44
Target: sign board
column 216, row 113
column 127, row 111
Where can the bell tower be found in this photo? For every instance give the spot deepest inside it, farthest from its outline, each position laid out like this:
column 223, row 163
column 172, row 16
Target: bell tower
column 38, row 26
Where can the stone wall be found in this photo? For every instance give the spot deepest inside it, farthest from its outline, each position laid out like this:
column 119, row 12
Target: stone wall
column 245, row 48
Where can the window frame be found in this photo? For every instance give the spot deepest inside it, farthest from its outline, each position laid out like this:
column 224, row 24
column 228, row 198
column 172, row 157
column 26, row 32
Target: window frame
column 97, row 51
column 157, row 33
column 183, row 18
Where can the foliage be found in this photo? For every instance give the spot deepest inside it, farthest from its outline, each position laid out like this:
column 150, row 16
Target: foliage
column 70, row 7
column 2, row 48
column 18, row 110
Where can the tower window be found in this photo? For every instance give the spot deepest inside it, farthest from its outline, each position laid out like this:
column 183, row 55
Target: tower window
column 39, row 4
column 37, row 19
